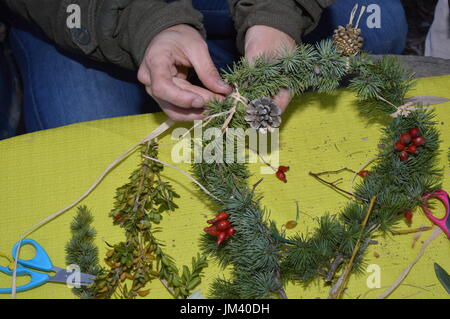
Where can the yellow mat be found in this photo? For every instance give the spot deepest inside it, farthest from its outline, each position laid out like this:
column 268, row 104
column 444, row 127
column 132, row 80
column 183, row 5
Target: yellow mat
column 45, row 171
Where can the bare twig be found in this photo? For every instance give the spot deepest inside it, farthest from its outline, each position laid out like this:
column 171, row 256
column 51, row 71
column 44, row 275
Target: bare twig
column 410, row 231
column 338, row 260
column 257, row 183
column 346, row 272
column 345, row 169
column 317, row 176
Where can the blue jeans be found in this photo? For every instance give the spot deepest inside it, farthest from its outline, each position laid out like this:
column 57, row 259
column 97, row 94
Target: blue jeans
column 61, row 88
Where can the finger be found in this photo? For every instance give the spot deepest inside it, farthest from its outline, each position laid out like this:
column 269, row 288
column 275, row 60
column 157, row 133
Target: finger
column 144, row 76
column 282, row 99
column 207, row 71
column 178, row 114
column 205, row 94
column 163, row 88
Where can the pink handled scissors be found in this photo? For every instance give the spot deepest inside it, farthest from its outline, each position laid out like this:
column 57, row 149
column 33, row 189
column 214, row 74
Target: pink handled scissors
column 442, row 223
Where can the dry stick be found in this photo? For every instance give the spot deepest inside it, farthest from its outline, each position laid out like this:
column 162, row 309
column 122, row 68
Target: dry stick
column 315, row 175
column 347, row 269
column 409, row 231
column 336, row 172
column 158, row 131
column 359, row 170
column 334, row 267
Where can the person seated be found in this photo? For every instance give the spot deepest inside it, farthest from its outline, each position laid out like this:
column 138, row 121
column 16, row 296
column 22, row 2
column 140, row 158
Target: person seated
column 136, row 56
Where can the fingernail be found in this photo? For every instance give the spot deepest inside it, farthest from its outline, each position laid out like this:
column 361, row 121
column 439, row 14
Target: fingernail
column 198, row 102
column 224, row 84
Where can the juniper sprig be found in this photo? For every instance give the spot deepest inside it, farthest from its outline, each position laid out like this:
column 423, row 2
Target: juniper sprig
column 82, row 251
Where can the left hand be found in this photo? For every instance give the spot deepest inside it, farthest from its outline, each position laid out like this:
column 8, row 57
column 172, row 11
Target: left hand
column 261, row 39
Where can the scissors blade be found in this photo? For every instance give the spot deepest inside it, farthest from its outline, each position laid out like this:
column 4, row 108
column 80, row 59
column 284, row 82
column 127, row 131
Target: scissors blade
column 64, row 276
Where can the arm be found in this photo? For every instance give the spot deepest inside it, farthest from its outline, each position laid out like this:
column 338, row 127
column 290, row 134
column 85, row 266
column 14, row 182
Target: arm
column 115, row 31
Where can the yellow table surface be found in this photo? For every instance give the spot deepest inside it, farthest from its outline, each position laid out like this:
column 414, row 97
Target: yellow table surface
column 45, row 171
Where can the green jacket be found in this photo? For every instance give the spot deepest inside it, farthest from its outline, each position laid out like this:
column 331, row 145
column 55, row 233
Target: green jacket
column 119, row 31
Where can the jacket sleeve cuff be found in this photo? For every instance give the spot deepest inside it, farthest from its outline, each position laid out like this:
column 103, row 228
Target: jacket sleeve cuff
column 293, row 17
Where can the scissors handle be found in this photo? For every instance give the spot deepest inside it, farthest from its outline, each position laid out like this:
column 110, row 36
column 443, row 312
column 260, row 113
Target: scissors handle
column 443, row 223
column 41, row 261
column 37, row 278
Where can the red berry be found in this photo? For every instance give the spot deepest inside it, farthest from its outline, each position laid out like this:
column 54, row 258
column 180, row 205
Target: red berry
column 220, row 216
column 222, row 225
column 363, row 173
column 231, row 231
column 291, row 224
column 221, row 237
column 420, row 140
column 399, row 146
column 404, row 156
column 412, row 149
column 405, row 138
column 414, row 132
column 408, row 216
column 283, row 169
column 281, row 176
column 212, row 230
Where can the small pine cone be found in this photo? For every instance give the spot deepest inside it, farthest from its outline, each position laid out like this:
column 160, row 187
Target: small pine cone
column 263, row 115
column 348, row 40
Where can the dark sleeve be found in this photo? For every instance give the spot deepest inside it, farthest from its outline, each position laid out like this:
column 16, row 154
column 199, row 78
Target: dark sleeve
column 294, row 17
column 116, row 31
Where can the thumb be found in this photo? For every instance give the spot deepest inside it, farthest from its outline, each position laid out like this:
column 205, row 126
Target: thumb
column 282, row 99
column 207, row 71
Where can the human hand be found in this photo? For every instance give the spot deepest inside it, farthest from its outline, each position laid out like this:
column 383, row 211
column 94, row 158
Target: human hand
column 261, row 39
column 164, row 71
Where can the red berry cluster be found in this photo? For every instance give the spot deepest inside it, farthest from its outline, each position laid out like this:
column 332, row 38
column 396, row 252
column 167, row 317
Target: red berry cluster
column 281, row 173
column 221, row 228
column 409, row 143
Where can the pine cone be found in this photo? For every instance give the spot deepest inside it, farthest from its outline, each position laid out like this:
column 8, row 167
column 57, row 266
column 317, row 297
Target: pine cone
column 263, row 115
column 347, row 40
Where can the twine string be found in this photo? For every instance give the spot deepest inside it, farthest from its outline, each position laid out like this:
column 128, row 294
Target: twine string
column 436, row 232
column 238, row 98
column 352, row 15
column 363, row 9
column 185, row 174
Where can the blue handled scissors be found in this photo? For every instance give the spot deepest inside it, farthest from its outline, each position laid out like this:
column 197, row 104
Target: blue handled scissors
column 41, row 261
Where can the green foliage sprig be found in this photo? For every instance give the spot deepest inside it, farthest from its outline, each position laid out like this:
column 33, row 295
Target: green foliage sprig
column 82, row 251
column 141, row 258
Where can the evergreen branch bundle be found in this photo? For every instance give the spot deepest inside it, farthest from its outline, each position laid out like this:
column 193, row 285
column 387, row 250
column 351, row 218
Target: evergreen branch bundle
column 82, row 251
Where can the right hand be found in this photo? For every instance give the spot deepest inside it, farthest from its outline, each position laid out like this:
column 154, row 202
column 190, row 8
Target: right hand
column 164, row 71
